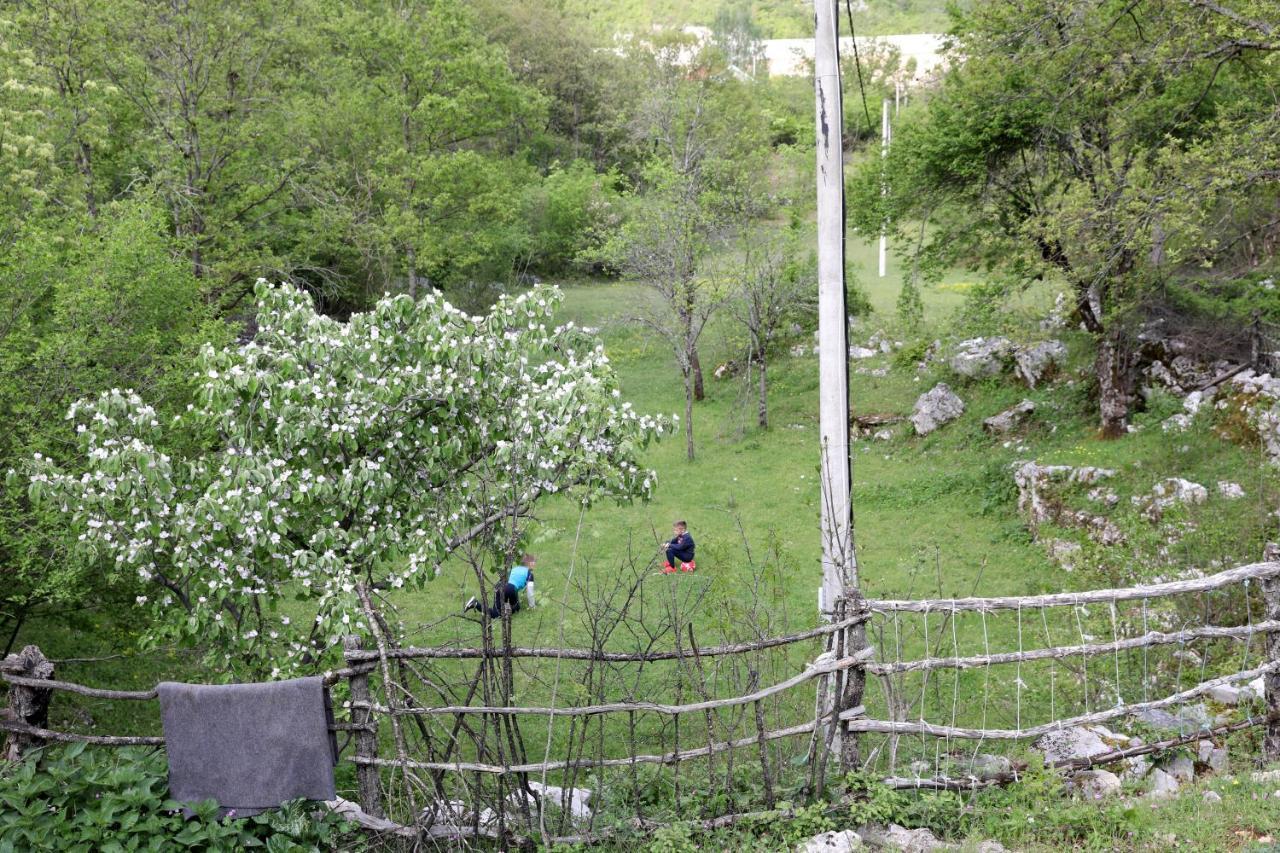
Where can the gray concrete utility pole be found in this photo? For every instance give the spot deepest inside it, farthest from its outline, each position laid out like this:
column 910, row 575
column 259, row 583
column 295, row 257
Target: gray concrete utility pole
column 839, row 567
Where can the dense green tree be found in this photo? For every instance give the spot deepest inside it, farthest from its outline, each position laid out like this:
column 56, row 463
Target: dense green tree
column 110, row 306
column 1089, row 142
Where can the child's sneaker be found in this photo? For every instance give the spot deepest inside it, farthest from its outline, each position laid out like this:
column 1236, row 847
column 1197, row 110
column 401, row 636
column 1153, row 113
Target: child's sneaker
column 668, row 569
column 689, row 566
column 473, row 604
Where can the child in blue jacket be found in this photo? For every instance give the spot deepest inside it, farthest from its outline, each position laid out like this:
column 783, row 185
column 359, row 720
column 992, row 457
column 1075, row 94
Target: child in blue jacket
column 679, row 550
column 519, row 578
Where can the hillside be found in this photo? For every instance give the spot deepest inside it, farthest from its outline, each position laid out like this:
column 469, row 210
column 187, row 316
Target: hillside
column 775, row 18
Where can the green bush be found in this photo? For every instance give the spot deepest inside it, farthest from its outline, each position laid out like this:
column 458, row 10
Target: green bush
column 77, row 799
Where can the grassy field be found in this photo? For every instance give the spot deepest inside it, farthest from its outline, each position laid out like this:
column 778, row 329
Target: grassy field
column 934, row 517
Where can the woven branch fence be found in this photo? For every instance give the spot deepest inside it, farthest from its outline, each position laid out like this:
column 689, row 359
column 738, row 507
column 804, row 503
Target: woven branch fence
column 444, row 747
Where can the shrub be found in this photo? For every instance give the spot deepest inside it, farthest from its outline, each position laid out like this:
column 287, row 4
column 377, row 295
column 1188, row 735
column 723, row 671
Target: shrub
column 75, row 799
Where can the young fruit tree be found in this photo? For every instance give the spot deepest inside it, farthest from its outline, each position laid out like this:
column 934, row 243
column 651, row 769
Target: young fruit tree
column 664, row 244
column 323, row 459
column 776, row 285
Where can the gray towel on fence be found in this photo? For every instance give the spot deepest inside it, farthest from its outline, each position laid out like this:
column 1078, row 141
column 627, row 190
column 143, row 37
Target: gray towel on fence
column 250, row 747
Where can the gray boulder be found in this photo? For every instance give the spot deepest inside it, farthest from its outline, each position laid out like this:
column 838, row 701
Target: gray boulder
column 894, row 837
column 1009, row 419
column 1229, row 490
column 1181, row 768
column 1188, row 719
column 1033, row 362
column 1160, row 785
column 831, row 842
column 1095, row 784
column 1068, row 744
column 977, row 358
column 936, row 407
column 1211, row 797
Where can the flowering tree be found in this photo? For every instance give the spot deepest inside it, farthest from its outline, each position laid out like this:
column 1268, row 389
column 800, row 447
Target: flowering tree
column 334, row 456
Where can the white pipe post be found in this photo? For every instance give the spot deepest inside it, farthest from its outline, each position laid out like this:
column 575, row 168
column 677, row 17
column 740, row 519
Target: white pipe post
column 839, row 569
column 884, row 152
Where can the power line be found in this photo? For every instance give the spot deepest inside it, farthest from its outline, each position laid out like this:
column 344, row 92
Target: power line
column 857, row 62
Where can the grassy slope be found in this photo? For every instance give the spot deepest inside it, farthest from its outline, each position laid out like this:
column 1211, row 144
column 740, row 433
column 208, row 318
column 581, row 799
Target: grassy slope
column 934, row 516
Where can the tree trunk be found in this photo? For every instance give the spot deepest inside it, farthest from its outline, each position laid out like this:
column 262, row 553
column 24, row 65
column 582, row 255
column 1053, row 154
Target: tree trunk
column 1112, row 369
column 696, row 366
column 763, row 410
column 411, row 262
column 688, row 413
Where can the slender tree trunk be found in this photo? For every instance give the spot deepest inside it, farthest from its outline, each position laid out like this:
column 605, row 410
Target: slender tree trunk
column 688, row 413
column 411, row 262
column 1112, row 369
column 763, row 411
column 695, row 364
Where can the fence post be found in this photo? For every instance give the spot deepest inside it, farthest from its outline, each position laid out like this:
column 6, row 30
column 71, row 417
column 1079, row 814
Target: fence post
column 855, row 680
column 1271, row 681
column 28, row 705
column 367, row 776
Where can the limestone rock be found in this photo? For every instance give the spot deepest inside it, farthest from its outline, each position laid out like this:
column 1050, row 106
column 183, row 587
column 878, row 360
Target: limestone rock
column 1096, row 784
column 894, row 837
column 1229, row 490
column 1161, row 785
column 1067, row 744
column 936, row 407
column 1167, row 493
column 977, row 358
column 1035, row 482
column 1266, row 775
column 1218, row 760
column 1032, row 363
column 1135, row 767
column 831, row 842
column 799, row 351
column 857, row 352
column 1227, row 694
column 1009, row 419
column 1211, row 797
column 1176, row 423
column 1064, row 552
column 988, row 766
column 1188, row 719
column 1181, row 768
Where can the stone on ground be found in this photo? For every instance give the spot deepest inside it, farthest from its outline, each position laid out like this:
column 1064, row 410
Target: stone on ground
column 1229, row 490
column 894, row 837
column 1033, row 362
column 1181, row 768
column 936, row 407
column 1161, row 784
column 831, row 842
column 1072, row 743
column 977, row 358
column 1211, row 797
column 1009, row 419
column 1096, row 784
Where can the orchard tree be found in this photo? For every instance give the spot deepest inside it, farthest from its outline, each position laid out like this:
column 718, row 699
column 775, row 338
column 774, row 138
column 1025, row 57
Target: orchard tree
column 777, row 284
column 323, row 459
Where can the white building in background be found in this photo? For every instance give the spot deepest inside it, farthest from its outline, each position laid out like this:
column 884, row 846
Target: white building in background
column 794, row 57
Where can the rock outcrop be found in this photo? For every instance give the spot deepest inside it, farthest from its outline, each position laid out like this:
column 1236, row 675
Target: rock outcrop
column 936, row 407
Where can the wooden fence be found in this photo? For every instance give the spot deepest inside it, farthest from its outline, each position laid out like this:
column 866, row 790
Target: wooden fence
column 474, row 762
